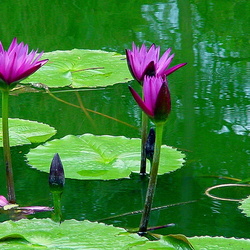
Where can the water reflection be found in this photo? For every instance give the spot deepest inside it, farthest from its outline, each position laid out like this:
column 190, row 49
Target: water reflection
column 163, row 18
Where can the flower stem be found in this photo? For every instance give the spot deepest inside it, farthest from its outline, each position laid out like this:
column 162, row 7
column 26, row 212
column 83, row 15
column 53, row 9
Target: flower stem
column 6, row 146
column 152, row 181
column 143, row 143
column 57, row 215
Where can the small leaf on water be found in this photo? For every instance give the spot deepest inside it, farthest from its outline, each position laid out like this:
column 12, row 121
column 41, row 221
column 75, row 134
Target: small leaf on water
column 26, row 132
column 10, row 206
column 99, row 157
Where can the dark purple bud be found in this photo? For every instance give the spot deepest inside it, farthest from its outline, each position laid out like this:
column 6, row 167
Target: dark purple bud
column 56, row 175
column 150, row 144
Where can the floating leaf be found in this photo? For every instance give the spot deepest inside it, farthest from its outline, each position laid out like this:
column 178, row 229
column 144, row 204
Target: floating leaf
column 99, row 157
column 218, row 243
column 81, row 68
column 173, row 242
column 245, row 206
column 71, row 234
column 26, row 132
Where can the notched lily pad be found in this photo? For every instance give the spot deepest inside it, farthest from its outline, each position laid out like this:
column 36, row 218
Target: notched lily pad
column 81, row 68
column 72, row 234
column 218, row 243
column 99, row 157
column 26, row 132
column 245, row 206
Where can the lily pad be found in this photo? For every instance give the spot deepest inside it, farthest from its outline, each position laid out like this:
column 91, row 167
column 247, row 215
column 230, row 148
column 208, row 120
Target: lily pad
column 81, row 68
column 218, row 243
column 245, row 206
column 26, row 132
column 172, row 242
column 99, row 157
column 71, row 234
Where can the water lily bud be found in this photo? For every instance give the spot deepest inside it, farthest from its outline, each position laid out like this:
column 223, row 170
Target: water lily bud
column 157, row 101
column 150, row 144
column 56, row 175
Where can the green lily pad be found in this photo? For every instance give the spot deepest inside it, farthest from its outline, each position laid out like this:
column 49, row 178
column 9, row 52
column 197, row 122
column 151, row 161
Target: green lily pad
column 71, row 234
column 169, row 242
column 81, row 68
column 99, row 157
column 26, row 132
column 218, row 243
column 245, row 206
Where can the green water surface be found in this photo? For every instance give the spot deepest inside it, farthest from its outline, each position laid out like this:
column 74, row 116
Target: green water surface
column 210, row 119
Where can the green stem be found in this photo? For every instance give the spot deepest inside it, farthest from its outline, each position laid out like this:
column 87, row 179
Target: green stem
column 6, row 146
column 57, row 215
column 153, row 179
column 143, row 143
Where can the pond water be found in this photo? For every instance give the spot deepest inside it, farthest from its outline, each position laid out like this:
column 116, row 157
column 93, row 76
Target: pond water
column 210, row 119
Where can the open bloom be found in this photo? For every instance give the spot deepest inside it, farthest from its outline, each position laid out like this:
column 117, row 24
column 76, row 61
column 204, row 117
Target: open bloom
column 17, row 63
column 157, row 101
column 147, row 62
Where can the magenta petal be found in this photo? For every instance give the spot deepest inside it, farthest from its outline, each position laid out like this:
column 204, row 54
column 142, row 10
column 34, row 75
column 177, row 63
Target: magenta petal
column 27, row 73
column 173, row 69
column 164, row 60
column 36, row 208
column 163, row 65
column 3, row 201
column 17, row 63
column 163, row 103
column 130, row 64
column 42, row 62
column 151, row 88
column 140, row 102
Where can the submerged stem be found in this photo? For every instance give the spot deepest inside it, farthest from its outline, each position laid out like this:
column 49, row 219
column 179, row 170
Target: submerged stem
column 57, row 215
column 6, row 146
column 143, row 143
column 153, row 180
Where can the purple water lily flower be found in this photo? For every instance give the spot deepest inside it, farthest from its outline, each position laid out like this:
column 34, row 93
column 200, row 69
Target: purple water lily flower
column 157, row 101
column 17, row 63
column 147, row 62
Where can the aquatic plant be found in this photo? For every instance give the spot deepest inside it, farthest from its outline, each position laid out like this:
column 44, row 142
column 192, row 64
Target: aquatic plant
column 16, row 64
